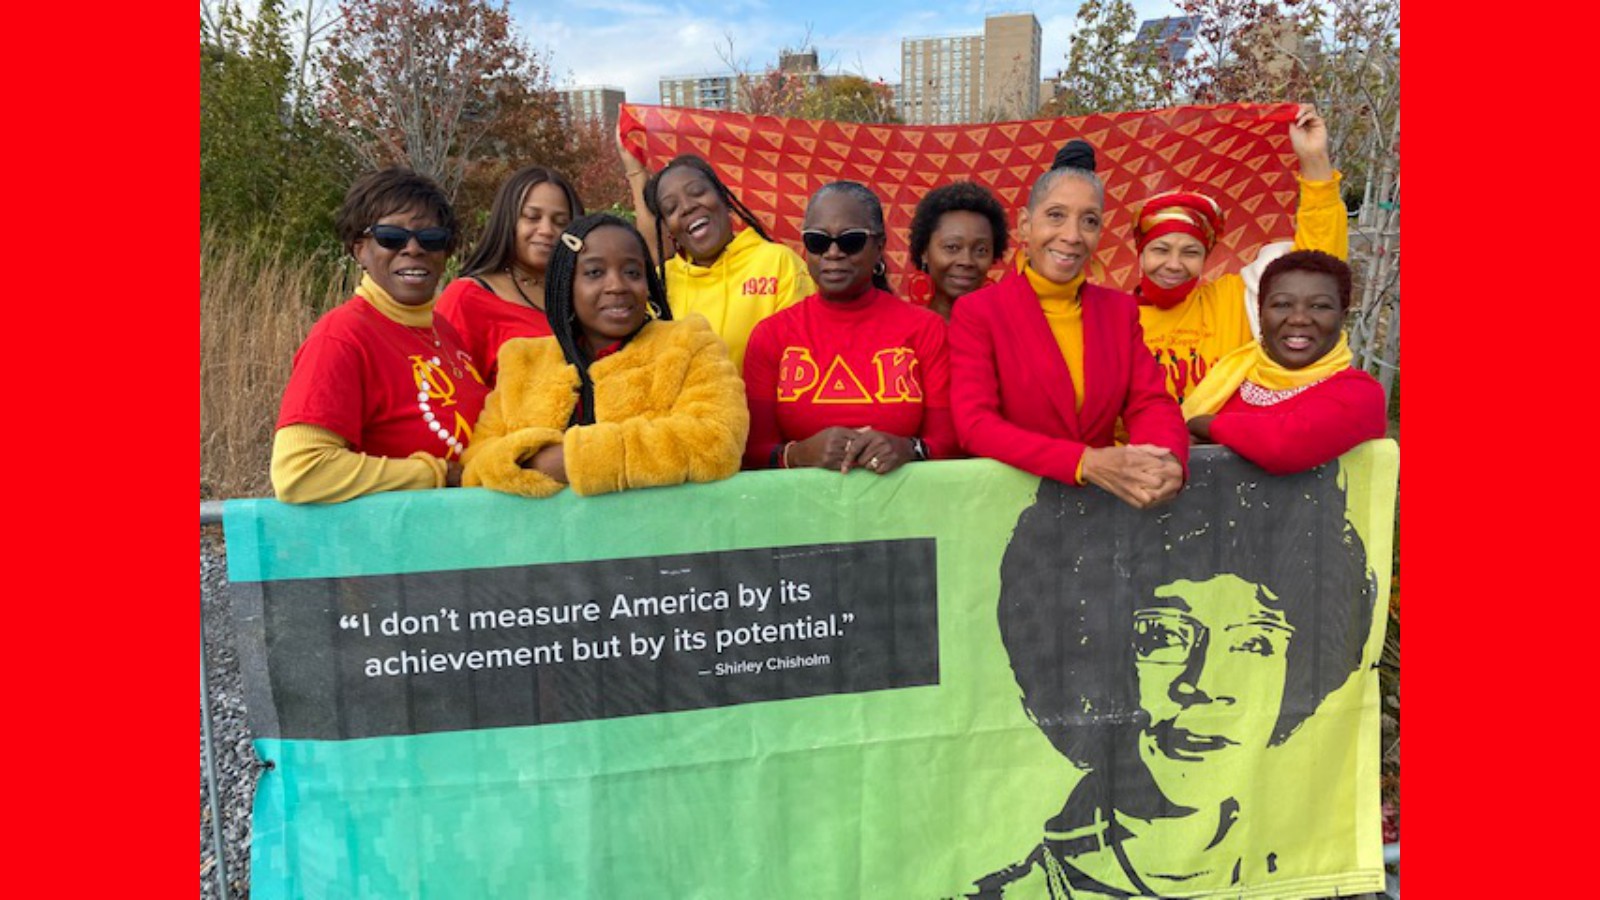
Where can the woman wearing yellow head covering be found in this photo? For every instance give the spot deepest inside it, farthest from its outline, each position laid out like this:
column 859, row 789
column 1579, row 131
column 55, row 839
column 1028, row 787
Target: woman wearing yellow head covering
column 1291, row 401
column 1189, row 325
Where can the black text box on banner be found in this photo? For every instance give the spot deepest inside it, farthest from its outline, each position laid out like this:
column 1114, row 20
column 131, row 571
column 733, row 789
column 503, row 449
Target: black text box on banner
column 563, row 642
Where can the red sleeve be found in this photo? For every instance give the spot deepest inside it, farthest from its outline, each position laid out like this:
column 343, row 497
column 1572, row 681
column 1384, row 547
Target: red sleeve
column 325, row 388
column 1314, row 428
column 975, row 406
column 1150, row 414
column 938, row 427
column 761, row 394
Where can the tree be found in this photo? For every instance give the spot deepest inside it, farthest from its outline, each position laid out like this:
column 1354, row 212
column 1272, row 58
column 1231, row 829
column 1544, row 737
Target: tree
column 1343, row 55
column 1107, row 69
column 265, row 169
column 849, row 98
column 422, row 83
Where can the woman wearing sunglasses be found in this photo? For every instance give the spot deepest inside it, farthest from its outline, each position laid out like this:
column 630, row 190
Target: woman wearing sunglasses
column 383, row 394
column 624, row 397
column 1044, row 364
column 853, row 377
column 500, row 294
column 733, row 279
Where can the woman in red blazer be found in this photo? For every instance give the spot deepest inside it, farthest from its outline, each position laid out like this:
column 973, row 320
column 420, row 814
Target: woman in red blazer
column 1043, row 364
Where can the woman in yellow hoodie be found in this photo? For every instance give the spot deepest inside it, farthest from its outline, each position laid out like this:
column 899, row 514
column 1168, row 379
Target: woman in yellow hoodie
column 616, row 399
column 733, row 279
column 1189, row 325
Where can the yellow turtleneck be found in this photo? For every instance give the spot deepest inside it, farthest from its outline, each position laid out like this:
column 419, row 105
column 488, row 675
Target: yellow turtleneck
column 311, row 464
column 1064, row 313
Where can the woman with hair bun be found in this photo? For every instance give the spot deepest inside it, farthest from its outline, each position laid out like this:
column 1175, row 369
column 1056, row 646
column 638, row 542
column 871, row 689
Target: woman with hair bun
column 1044, row 364
column 734, row 279
column 622, row 396
column 500, row 294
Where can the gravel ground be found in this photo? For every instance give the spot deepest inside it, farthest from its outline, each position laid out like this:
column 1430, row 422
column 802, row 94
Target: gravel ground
column 235, row 762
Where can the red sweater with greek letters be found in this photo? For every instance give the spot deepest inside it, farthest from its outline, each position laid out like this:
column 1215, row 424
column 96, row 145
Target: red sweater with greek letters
column 876, row 361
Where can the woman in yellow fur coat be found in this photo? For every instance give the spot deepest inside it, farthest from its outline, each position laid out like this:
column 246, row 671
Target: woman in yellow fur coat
column 617, row 399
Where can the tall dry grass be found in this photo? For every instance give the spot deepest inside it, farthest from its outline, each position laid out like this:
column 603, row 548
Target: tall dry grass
column 256, row 306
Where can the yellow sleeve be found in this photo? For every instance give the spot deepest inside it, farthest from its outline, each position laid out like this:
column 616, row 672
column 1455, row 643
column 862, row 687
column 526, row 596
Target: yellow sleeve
column 314, row 465
column 1322, row 222
column 698, row 436
column 794, row 282
column 495, row 455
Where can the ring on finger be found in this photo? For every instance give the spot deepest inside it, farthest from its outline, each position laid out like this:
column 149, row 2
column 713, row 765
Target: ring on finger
column 872, row 463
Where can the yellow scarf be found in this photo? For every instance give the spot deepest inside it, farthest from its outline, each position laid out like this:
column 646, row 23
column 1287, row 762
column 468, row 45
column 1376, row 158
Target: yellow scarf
column 419, row 316
column 1251, row 363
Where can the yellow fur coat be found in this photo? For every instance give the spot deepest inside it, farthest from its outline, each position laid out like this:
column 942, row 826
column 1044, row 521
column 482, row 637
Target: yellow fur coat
column 669, row 408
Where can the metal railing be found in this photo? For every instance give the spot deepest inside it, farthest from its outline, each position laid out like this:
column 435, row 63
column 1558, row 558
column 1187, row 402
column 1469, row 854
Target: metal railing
column 211, row 514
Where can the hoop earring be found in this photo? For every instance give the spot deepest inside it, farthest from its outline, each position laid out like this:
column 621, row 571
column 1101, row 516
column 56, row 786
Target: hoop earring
column 880, row 269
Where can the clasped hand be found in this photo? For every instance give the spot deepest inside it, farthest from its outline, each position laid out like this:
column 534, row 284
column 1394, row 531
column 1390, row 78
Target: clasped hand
column 1141, row 475
column 844, row 449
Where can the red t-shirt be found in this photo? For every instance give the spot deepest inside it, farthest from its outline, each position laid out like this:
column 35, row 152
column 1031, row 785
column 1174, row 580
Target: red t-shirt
column 484, row 322
column 877, row 361
column 384, row 387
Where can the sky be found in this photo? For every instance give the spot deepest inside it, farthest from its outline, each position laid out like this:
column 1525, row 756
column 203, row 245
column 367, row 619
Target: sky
column 632, row 43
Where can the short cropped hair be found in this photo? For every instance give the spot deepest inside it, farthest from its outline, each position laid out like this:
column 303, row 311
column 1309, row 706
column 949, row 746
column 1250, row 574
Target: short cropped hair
column 962, row 196
column 1308, row 261
column 389, row 191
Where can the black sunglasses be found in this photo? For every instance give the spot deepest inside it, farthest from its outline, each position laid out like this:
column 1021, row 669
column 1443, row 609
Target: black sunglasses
column 850, row 242
column 393, row 237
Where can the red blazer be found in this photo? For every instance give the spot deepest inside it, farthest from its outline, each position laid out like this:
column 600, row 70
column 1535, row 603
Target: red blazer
column 1012, row 396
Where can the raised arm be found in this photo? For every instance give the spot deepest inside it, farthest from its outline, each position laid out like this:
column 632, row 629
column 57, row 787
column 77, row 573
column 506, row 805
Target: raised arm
column 1321, row 220
column 637, row 175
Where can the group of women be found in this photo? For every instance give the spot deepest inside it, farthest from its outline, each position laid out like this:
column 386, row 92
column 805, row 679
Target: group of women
column 579, row 350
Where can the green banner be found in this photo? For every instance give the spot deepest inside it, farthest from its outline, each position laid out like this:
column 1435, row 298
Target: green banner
column 956, row 680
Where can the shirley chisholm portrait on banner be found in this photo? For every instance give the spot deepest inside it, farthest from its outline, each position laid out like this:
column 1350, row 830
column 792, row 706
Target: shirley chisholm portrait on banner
column 1164, row 653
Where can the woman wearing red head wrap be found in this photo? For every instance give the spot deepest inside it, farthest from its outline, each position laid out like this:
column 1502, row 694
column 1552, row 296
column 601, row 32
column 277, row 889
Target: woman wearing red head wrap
column 1189, row 325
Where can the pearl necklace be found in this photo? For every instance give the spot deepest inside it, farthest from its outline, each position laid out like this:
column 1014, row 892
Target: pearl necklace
column 427, row 390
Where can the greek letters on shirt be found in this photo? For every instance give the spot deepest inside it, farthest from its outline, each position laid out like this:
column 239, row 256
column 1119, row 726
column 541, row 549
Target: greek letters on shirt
column 436, row 397
column 893, row 379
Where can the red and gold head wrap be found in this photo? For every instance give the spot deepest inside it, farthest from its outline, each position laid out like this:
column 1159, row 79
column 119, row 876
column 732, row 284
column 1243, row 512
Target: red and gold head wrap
column 1175, row 212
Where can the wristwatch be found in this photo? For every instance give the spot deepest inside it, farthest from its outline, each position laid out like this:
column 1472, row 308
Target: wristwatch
column 919, row 449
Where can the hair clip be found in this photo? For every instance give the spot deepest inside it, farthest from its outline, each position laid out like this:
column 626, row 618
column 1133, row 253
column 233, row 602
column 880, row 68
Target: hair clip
column 573, row 242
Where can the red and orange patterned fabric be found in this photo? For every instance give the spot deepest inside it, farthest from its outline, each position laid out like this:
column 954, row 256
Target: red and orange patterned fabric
column 1238, row 154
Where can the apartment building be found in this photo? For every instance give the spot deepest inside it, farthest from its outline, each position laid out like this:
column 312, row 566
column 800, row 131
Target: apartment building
column 953, row 79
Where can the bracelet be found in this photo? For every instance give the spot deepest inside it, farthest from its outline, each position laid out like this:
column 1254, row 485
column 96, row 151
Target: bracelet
column 919, row 448
column 785, row 455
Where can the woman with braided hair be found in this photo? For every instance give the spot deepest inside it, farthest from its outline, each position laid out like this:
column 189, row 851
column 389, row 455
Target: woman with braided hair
column 622, row 396
column 733, row 279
